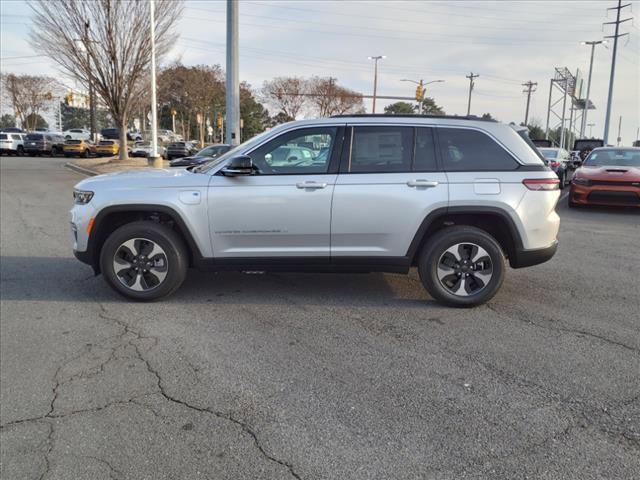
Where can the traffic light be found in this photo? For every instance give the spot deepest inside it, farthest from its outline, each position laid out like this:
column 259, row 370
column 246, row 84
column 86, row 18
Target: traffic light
column 219, row 122
column 419, row 92
column 48, row 96
column 69, row 98
column 173, row 112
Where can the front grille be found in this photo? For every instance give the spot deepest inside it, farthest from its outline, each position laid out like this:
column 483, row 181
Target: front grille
column 626, row 198
column 615, row 184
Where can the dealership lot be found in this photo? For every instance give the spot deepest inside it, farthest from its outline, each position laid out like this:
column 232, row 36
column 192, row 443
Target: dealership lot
column 314, row 376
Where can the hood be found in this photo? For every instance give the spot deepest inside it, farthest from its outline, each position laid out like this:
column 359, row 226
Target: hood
column 611, row 173
column 144, row 178
column 189, row 160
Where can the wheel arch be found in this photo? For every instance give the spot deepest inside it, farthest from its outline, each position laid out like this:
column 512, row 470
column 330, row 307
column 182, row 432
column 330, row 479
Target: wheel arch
column 111, row 218
column 493, row 220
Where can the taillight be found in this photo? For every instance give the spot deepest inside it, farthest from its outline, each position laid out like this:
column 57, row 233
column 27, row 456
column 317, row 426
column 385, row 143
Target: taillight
column 542, row 183
column 554, row 164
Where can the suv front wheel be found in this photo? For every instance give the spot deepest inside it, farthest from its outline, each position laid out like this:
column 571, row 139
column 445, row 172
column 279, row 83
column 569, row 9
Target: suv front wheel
column 144, row 260
column 462, row 266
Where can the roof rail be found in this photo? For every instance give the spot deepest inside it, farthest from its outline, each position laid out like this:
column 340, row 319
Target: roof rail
column 411, row 115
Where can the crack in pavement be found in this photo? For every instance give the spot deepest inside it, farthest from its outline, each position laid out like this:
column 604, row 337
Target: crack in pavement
column 133, row 341
column 562, row 329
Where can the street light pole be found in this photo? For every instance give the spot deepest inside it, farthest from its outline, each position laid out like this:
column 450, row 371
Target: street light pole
column 157, row 161
column 233, row 81
column 586, row 105
column 375, row 79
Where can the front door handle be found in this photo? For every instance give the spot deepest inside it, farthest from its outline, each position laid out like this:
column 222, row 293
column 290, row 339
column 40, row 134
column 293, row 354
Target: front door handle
column 422, row 183
column 312, row 185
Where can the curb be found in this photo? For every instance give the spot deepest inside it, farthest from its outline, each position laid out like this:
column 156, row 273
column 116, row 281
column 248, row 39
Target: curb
column 81, row 170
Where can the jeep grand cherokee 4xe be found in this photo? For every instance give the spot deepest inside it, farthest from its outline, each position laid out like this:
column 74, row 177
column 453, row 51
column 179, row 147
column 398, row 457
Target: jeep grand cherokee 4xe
column 456, row 197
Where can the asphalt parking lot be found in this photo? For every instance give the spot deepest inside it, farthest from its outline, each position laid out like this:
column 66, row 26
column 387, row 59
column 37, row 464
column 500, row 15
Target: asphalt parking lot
column 314, row 376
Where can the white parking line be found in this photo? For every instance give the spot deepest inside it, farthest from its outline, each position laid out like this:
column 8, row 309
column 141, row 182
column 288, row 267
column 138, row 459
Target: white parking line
column 562, row 197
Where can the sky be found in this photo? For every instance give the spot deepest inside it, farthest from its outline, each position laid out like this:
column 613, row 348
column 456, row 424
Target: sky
column 506, row 42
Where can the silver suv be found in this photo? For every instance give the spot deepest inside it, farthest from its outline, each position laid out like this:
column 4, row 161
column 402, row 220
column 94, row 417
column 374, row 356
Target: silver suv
column 12, row 143
column 454, row 196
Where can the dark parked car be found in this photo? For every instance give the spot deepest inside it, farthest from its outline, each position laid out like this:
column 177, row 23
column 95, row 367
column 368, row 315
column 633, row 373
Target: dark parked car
column 13, row 130
column 204, row 155
column 181, row 149
column 585, row 145
column 114, row 134
column 43, row 143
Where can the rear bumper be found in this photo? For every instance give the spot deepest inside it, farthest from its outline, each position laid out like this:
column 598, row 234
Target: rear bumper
column 527, row 258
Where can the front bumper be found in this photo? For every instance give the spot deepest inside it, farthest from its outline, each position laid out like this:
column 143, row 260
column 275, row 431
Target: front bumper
column 606, row 195
column 527, row 258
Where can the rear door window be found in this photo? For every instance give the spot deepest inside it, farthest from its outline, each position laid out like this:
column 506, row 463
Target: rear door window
column 381, row 149
column 471, row 150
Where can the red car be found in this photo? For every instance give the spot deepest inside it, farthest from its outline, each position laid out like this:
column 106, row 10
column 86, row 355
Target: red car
column 608, row 176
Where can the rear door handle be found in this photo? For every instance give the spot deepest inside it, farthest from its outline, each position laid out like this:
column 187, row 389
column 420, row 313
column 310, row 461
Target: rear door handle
column 422, row 183
column 312, row 185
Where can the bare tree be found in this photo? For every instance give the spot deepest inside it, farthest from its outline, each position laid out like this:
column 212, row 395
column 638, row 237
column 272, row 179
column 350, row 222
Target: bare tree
column 286, row 94
column 328, row 99
column 30, row 95
column 115, row 52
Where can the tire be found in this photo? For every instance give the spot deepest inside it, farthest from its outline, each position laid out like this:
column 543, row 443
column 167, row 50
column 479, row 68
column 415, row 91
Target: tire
column 20, row 151
column 54, row 151
column 86, row 154
column 172, row 260
column 473, row 287
column 562, row 181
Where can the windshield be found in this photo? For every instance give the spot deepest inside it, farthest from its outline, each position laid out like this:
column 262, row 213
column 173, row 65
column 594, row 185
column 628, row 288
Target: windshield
column 205, row 167
column 549, row 152
column 613, row 158
column 34, row 136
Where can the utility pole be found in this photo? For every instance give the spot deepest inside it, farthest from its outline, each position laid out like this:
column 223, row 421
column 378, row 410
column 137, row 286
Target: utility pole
column 92, row 103
column 586, row 104
column 619, row 131
column 615, row 37
column 233, row 80
column 471, row 76
column 528, row 91
column 157, row 161
column 375, row 79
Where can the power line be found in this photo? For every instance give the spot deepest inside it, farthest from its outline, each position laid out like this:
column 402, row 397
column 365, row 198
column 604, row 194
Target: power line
column 434, row 39
column 417, row 22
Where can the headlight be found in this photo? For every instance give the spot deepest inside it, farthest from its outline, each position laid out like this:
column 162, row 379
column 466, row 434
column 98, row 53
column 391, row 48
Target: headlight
column 582, row 181
column 82, row 197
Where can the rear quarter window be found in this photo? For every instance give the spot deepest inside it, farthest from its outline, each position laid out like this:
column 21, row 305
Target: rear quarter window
column 3, row 136
column 471, row 150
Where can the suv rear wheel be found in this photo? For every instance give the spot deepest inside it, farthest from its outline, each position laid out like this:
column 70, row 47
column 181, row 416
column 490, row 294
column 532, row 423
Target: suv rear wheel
column 462, row 266
column 144, row 260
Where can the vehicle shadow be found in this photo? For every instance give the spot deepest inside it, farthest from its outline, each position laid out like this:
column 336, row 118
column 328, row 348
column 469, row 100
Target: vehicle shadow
column 64, row 279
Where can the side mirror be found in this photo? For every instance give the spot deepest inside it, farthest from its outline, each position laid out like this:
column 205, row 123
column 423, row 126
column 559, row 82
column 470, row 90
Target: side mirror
column 577, row 163
column 239, row 166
